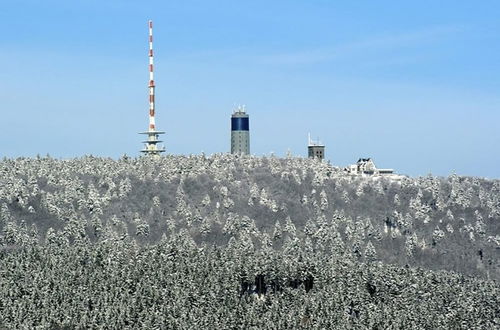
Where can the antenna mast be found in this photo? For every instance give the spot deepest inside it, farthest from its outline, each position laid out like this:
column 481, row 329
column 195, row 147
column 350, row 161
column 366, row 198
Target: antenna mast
column 151, row 147
column 151, row 80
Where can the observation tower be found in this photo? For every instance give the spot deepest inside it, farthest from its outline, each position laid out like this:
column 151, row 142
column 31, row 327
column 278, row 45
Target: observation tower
column 315, row 149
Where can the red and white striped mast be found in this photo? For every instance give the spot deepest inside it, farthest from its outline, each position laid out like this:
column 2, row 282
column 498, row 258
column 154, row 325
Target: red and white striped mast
column 151, row 81
column 151, row 145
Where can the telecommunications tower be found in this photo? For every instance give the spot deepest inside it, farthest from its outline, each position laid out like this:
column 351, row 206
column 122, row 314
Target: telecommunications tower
column 152, row 146
column 240, row 132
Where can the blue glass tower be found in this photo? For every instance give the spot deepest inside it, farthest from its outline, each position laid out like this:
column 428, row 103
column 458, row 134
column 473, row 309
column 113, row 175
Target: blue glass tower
column 240, row 132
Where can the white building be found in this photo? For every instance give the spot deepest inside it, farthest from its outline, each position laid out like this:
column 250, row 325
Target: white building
column 366, row 166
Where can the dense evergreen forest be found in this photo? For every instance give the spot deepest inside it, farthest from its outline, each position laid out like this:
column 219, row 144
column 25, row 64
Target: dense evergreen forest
column 189, row 242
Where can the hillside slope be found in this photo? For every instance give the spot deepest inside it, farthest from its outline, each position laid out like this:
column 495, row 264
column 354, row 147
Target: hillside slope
column 436, row 223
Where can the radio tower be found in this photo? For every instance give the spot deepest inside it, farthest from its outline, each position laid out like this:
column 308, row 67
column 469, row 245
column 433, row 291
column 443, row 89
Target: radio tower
column 151, row 146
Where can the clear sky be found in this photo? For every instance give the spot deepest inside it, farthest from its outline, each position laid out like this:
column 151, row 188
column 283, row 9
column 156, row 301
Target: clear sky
column 413, row 84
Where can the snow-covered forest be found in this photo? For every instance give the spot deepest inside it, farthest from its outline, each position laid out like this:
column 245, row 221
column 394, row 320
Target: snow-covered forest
column 224, row 241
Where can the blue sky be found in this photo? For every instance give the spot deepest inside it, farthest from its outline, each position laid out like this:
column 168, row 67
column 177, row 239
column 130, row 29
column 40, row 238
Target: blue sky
column 415, row 85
